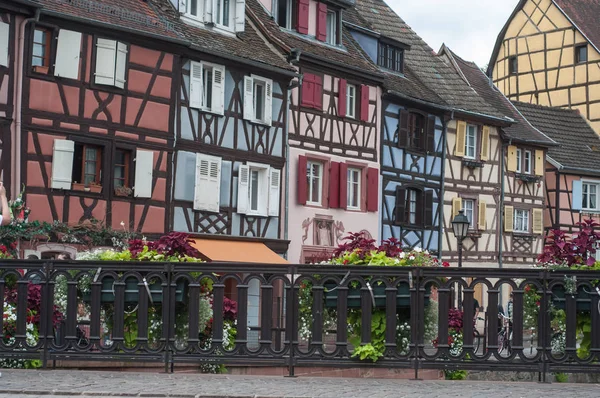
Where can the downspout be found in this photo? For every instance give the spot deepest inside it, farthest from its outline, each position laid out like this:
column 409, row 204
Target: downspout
column 442, row 184
column 500, row 226
column 19, row 74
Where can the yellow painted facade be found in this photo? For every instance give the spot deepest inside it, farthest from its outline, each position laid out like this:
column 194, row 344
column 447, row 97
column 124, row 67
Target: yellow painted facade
column 544, row 42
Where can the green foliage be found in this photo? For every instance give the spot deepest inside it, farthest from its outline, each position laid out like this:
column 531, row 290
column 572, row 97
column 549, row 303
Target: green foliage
column 561, row 377
column 367, row 351
column 376, row 348
column 455, row 374
column 531, row 307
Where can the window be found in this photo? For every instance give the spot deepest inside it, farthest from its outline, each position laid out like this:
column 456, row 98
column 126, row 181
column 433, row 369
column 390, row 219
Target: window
column 121, row 168
column 412, row 206
column 221, row 13
column 391, row 57
column 416, row 132
column 527, row 163
column 41, row 48
column 353, row 186
column 258, row 99
column 512, row 65
column 87, row 165
column 589, row 196
column 258, row 190
column 519, row 160
column 469, row 211
column 314, row 176
column 224, row 13
column 581, row 54
column 471, row 142
column 111, row 63
column 332, row 27
column 521, row 221
column 286, row 13
column 194, row 9
column 207, row 82
column 351, row 101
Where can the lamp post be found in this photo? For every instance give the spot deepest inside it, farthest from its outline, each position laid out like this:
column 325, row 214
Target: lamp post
column 460, row 227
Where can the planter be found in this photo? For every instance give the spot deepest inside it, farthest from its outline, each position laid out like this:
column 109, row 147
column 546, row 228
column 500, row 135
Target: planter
column 124, row 192
column 402, row 296
column 78, row 186
column 132, row 291
column 584, row 300
column 96, row 188
column 40, row 69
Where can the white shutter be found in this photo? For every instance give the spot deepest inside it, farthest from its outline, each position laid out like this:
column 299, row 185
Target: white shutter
column 248, row 98
column 274, row 187
column 144, row 164
column 218, row 89
column 243, row 189
column 268, row 101
column 208, row 183
column 106, row 54
column 182, row 6
column 240, row 15
column 209, row 6
column 195, row 85
column 62, row 164
column 4, row 32
column 68, row 51
column 121, row 67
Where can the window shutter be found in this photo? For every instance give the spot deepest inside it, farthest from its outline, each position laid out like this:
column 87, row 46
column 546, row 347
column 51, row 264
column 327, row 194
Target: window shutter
column 343, row 185
column 308, row 90
column 4, row 41
column 430, row 145
column 121, row 65
column 243, row 189
column 196, row 85
column 403, row 128
column 334, row 185
column 240, row 15
column 456, row 206
column 303, row 12
column 508, row 218
column 511, row 158
column 106, row 53
column 302, row 180
column 182, row 6
column 68, row 51
column 400, row 209
column 248, row 98
column 342, row 97
column 274, row 188
column 461, row 136
column 364, row 103
column 268, row 102
column 428, row 208
column 208, row 183
column 481, row 224
column 62, row 164
column 218, row 90
column 577, row 196
column 144, row 164
column 485, row 143
column 372, row 189
column 539, row 162
column 419, row 213
column 318, row 93
column 537, row 225
column 322, row 22
column 209, row 6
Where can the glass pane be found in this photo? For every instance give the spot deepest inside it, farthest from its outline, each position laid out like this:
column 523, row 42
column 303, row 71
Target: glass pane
column 120, row 157
column 119, row 172
column 254, row 190
column 355, row 194
column 35, row 61
column 119, row 183
column 315, row 185
column 38, row 50
column 90, row 154
column 258, row 101
column 194, row 7
column 39, row 36
column 208, row 79
column 225, row 13
column 90, row 168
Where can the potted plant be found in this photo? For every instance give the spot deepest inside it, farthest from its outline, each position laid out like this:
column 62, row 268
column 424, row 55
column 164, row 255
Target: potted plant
column 123, row 191
column 77, row 186
column 95, row 187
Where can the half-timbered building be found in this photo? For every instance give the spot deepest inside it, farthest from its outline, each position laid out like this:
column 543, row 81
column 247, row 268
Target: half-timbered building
column 333, row 125
column 522, row 150
column 548, row 53
column 572, row 169
column 93, row 138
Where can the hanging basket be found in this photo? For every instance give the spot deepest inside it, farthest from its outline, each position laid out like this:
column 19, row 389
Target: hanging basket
column 402, row 296
column 132, row 291
column 583, row 299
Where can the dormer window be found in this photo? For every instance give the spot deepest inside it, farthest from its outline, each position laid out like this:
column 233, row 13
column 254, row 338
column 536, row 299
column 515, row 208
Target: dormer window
column 286, row 13
column 391, row 57
column 331, row 27
column 228, row 15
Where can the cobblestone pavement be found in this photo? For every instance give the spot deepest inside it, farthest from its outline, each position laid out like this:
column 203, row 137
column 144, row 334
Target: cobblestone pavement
column 67, row 383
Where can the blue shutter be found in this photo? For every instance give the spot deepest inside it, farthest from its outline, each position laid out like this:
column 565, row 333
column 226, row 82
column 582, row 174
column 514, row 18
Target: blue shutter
column 577, row 195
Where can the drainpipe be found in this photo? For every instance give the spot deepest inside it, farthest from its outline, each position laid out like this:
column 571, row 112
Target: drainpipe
column 19, row 74
column 286, row 208
column 501, row 213
column 443, row 178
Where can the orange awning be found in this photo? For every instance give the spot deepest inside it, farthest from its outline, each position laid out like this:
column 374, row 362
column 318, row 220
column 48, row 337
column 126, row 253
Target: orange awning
column 220, row 250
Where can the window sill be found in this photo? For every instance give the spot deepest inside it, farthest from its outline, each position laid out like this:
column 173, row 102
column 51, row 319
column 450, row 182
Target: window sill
column 474, row 234
column 472, row 163
column 528, row 236
column 251, row 214
column 81, row 187
column 42, row 70
column 527, row 177
column 262, row 123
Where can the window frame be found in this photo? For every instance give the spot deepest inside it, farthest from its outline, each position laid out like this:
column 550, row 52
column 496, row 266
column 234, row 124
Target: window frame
column 309, row 163
column 332, row 30
column 200, row 10
column 219, row 9
column 263, row 176
column 128, row 167
column 48, row 54
column 351, row 110
column 291, row 14
column 527, row 162
column 525, row 217
column 413, row 144
column 475, row 138
column 519, row 157
column 100, row 151
column 513, row 65
column 390, row 57
column 585, row 184
column 358, row 182
column 110, row 87
column 474, row 211
column 578, row 57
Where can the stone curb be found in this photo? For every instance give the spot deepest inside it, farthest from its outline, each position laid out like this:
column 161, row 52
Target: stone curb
column 84, row 394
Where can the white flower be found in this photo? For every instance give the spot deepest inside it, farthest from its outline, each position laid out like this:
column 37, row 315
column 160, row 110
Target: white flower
column 122, row 224
column 418, row 249
column 402, row 254
column 411, row 257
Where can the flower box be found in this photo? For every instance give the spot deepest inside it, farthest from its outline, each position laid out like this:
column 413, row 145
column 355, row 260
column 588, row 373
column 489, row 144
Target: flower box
column 132, row 291
column 402, row 297
column 583, row 299
column 472, row 163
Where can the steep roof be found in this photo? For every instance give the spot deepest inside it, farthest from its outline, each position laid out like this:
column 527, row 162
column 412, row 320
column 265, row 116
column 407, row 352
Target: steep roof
column 579, row 145
column 521, row 130
column 421, row 61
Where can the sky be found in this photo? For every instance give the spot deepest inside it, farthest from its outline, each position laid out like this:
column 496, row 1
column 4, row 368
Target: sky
column 468, row 27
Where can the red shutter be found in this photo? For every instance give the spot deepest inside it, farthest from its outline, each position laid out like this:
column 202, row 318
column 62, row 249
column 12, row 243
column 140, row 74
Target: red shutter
column 372, row 189
column 302, row 180
column 364, row 103
column 318, row 97
column 343, row 185
column 308, row 90
column 334, row 185
column 303, row 11
column 322, row 22
column 342, row 98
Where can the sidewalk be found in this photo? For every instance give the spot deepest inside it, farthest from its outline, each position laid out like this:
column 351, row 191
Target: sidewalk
column 66, row 383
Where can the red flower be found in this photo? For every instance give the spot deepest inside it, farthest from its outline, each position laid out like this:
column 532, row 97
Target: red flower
column 345, row 261
column 445, row 264
column 537, row 303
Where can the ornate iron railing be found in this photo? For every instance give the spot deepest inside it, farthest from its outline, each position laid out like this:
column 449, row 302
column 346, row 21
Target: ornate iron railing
column 296, row 315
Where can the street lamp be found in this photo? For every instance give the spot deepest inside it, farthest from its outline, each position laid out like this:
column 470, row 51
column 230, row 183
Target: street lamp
column 460, row 227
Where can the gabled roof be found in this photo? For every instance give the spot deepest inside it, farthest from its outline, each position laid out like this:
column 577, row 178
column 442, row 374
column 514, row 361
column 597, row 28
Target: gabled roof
column 584, row 14
column 424, row 68
column 521, row 130
column 579, row 145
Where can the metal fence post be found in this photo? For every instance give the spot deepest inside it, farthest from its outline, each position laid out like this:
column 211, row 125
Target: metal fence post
column 291, row 322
